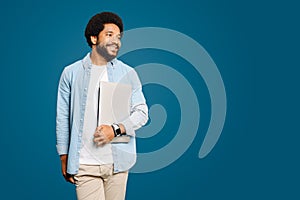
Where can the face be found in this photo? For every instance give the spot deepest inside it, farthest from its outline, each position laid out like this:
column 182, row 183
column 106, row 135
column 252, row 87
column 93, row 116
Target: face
column 109, row 42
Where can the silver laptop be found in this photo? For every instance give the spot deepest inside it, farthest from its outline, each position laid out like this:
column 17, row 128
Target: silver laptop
column 114, row 105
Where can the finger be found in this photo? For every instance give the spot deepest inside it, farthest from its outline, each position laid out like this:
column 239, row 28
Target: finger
column 99, row 139
column 97, row 131
column 102, row 143
column 98, row 128
column 97, row 134
column 71, row 180
column 99, row 142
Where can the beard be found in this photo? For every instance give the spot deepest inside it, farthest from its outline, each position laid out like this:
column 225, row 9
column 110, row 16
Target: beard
column 103, row 50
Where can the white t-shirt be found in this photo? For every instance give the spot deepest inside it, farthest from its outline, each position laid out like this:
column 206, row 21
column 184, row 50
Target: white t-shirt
column 90, row 153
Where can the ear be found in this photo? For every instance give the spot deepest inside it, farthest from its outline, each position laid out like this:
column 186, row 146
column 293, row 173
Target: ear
column 94, row 39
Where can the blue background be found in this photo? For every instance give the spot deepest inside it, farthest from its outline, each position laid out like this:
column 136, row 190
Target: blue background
column 255, row 45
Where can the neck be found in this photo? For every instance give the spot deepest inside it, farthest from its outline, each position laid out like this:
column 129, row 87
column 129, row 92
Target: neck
column 97, row 59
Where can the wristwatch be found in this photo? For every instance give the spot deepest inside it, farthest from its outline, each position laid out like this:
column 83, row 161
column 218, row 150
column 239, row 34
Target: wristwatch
column 116, row 128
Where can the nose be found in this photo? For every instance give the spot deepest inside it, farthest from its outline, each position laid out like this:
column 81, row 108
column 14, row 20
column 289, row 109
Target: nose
column 116, row 40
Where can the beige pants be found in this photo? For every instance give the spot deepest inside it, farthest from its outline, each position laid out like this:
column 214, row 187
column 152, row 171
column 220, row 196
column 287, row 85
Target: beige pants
column 94, row 182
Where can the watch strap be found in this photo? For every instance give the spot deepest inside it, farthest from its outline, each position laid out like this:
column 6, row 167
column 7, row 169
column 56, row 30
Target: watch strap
column 117, row 130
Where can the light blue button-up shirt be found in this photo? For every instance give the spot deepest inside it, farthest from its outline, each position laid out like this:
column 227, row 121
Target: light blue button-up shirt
column 71, row 101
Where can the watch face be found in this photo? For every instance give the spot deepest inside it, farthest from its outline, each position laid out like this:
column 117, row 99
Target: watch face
column 116, row 126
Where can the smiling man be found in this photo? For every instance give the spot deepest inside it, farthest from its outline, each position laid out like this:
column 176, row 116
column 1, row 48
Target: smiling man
column 97, row 167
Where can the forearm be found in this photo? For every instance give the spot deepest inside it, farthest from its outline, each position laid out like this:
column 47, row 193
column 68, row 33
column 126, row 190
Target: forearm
column 137, row 119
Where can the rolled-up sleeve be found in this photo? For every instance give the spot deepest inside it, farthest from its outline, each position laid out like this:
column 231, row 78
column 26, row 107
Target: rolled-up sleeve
column 139, row 110
column 63, row 114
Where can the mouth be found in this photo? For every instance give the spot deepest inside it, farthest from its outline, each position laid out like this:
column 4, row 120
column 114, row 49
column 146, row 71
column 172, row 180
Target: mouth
column 113, row 47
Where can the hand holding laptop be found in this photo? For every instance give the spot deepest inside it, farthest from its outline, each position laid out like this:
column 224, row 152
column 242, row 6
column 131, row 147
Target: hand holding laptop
column 113, row 106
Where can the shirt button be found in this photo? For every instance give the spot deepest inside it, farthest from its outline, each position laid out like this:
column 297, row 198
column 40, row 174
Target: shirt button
column 85, row 89
column 81, row 119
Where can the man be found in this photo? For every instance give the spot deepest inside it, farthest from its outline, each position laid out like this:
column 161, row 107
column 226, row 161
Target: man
column 98, row 168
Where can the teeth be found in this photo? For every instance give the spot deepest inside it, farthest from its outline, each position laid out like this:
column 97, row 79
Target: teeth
column 114, row 46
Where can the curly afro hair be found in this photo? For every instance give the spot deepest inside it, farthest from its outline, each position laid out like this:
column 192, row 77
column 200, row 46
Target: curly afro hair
column 96, row 24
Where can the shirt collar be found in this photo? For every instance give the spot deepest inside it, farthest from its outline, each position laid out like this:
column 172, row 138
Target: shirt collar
column 87, row 63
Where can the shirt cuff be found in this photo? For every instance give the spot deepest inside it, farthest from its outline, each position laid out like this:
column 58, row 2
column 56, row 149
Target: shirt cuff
column 62, row 149
column 128, row 127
